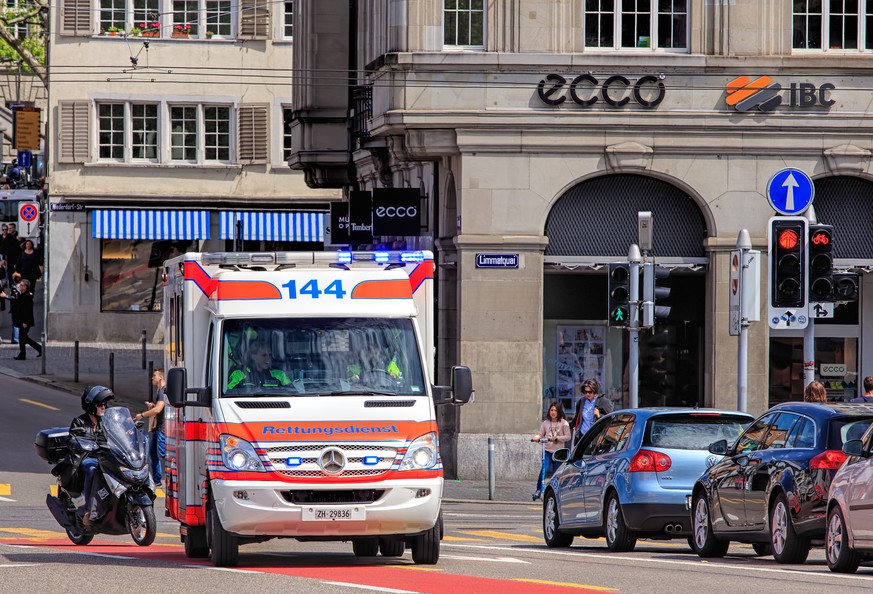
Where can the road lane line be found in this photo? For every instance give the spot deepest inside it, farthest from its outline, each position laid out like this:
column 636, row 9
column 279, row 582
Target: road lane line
column 565, row 584
column 35, row 403
column 371, row 588
column 495, row 559
column 505, row 535
column 5, row 489
column 2, row 565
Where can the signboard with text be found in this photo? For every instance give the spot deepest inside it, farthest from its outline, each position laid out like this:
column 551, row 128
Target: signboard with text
column 27, row 124
column 396, row 211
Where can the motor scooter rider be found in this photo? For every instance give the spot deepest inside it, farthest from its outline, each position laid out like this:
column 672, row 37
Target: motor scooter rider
column 89, row 428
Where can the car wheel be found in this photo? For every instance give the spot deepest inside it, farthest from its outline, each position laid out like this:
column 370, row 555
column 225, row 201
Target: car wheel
column 763, row 549
column 551, row 525
column 841, row 558
column 703, row 539
column 788, row 547
column 365, row 547
column 619, row 538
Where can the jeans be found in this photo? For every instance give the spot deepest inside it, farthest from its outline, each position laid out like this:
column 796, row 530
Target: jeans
column 89, row 469
column 157, row 452
column 550, row 467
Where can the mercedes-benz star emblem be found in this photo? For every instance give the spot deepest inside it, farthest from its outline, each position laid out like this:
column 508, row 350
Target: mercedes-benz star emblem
column 332, row 461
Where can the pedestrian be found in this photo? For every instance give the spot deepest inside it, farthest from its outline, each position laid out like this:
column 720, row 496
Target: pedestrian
column 154, row 415
column 30, row 264
column 815, row 392
column 14, row 281
column 590, row 407
column 556, row 430
column 867, row 396
column 22, row 318
column 11, row 247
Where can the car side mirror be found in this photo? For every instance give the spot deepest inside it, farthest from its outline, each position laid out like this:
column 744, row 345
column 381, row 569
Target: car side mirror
column 854, row 447
column 719, row 447
column 177, row 390
column 561, row 455
column 461, row 390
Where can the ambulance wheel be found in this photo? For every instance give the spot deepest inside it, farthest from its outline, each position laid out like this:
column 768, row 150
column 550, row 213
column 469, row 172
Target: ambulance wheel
column 196, row 546
column 426, row 547
column 224, row 545
column 365, row 547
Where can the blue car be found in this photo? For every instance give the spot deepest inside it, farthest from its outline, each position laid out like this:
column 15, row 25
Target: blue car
column 631, row 474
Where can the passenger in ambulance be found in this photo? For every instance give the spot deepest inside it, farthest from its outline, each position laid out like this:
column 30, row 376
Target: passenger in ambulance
column 374, row 364
column 259, row 371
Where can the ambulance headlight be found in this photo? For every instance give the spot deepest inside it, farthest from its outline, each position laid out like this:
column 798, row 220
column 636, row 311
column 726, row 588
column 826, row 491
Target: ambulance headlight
column 421, row 453
column 238, row 454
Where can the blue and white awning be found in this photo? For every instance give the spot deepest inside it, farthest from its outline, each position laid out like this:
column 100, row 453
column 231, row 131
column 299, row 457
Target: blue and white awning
column 273, row 226
column 150, row 224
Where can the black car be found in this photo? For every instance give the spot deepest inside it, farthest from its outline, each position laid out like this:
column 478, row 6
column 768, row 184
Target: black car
column 771, row 488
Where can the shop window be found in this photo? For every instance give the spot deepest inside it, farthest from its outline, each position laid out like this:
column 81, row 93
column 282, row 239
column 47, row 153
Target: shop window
column 621, row 24
column 836, row 366
column 130, row 274
column 845, row 25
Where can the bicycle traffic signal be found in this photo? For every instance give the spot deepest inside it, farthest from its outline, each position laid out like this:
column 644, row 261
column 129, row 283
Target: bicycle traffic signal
column 821, row 263
column 788, row 262
column 619, row 294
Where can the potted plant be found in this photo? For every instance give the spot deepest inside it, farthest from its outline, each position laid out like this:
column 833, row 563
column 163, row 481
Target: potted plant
column 135, row 31
column 150, row 29
column 113, row 30
column 182, row 30
column 209, row 34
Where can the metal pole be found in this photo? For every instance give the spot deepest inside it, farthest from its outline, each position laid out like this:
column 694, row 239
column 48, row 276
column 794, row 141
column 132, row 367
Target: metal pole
column 42, row 346
column 634, row 258
column 112, row 371
column 809, row 331
column 76, row 362
column 491, row 468
column 144, row 350
column 744, row 243
column 151, row 373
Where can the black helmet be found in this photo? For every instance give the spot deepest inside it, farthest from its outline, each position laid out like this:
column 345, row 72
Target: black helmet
column 91, row 397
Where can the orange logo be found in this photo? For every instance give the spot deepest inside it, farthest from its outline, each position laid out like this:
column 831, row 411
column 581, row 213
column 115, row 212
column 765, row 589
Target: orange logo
column 744, row 93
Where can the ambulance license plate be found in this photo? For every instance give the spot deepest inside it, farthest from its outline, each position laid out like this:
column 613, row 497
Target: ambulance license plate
column 334, row 514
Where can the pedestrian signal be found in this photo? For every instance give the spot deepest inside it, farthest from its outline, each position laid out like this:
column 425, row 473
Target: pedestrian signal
column 619, row 294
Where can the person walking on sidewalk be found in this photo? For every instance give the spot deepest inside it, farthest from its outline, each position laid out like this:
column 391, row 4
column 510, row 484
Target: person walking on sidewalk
column 22, row 318
column 154, row 415
column 556, row 430
column 13, row 294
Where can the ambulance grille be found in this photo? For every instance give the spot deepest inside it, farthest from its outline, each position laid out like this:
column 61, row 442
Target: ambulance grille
column 319, row 473
column 263, row 404
column 288, row 449
column 388, row 403
column 303, row 497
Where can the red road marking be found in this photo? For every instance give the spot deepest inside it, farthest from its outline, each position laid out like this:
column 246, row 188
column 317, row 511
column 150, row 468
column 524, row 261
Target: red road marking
column 303, row 566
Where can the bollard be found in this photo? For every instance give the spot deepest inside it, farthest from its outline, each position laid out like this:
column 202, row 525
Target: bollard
column 112, row 371
column 491, row 468
column 151, row 372
column 144, row 350
column 44, row 355
column 76, row 362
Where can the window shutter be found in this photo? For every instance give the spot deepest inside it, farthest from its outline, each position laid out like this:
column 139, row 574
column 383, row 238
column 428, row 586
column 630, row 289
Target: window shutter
column 254, row 19
column 74, row 132
column 253, row 133
column 76, row 17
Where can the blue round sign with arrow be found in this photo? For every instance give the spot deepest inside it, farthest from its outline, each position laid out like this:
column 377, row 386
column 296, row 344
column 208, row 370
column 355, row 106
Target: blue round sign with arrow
column 790, row 191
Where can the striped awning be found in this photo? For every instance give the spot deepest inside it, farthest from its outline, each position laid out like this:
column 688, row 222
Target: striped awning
column 150, row 224
column 273, row 226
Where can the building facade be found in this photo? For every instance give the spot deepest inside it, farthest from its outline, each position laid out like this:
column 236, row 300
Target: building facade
column 538, row 130
column 168, row 132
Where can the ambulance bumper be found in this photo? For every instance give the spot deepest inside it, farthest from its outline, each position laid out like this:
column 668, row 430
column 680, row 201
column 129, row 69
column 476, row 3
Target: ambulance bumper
column 255, row 508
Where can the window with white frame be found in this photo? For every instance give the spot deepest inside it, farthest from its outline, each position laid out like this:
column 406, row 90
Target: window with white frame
column 286, row 133
column 833, row 24
column 216, row 133
column 288, row 20
column 18, row 30
column 620, row 24
column 183, row 133
column 117, row 120
column 200, row 125
column 168, row 18
column 464, row 23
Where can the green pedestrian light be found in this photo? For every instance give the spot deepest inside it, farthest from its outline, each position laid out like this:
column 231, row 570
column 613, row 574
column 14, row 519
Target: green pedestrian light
column 619, row 294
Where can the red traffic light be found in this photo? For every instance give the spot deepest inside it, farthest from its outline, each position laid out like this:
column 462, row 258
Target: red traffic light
column 821, row 239
column 787, row 239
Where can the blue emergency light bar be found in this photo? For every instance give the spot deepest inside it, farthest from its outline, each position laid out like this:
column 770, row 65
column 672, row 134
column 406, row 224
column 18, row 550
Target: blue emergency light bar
column 379, row 257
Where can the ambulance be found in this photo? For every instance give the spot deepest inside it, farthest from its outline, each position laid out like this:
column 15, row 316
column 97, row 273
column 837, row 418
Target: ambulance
column 300, row 401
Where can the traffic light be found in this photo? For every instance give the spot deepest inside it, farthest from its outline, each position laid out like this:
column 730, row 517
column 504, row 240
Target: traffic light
column 788, row 262
column 619, row 294
column 821, row 263
column 846, row 286
column 654, row 294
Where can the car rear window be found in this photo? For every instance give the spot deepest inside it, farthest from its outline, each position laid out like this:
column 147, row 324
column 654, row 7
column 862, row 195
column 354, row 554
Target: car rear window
column 692, row 431
column 846, row 429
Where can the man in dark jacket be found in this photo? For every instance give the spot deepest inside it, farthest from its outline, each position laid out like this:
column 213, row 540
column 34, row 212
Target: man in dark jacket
column 22, row 318
column 88, row 427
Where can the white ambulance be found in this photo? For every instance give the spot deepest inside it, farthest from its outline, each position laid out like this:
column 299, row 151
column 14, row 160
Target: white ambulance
column 301, row 402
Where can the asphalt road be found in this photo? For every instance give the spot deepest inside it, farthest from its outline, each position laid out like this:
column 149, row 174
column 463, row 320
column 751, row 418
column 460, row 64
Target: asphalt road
column 488, row 547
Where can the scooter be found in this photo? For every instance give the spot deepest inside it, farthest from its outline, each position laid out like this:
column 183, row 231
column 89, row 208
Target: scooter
column 124, row 493
column 536, row 494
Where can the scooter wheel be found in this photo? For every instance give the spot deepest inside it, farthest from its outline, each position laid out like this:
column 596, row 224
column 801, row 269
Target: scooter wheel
column 142, row 524
column 79, row 538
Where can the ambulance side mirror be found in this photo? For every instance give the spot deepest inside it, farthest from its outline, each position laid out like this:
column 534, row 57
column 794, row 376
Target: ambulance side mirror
column 178, row 391
column 461, row 390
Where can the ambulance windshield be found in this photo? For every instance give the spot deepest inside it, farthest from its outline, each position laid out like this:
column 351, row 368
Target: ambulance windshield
column 320, row 357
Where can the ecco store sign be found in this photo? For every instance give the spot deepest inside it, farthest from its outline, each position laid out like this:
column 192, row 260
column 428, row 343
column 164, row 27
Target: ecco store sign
column 617, row 90
column 764, row 94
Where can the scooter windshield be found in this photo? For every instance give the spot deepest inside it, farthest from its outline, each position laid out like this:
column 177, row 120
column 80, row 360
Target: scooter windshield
column 125, row 441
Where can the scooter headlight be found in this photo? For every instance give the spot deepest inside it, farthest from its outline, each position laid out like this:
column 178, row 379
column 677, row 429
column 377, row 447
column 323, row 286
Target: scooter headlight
column 421, row 453
column 133, row 475
column 238, row 454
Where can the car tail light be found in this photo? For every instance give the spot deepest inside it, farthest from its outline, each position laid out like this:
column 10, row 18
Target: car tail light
column 828, row 460
column 646, row 461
